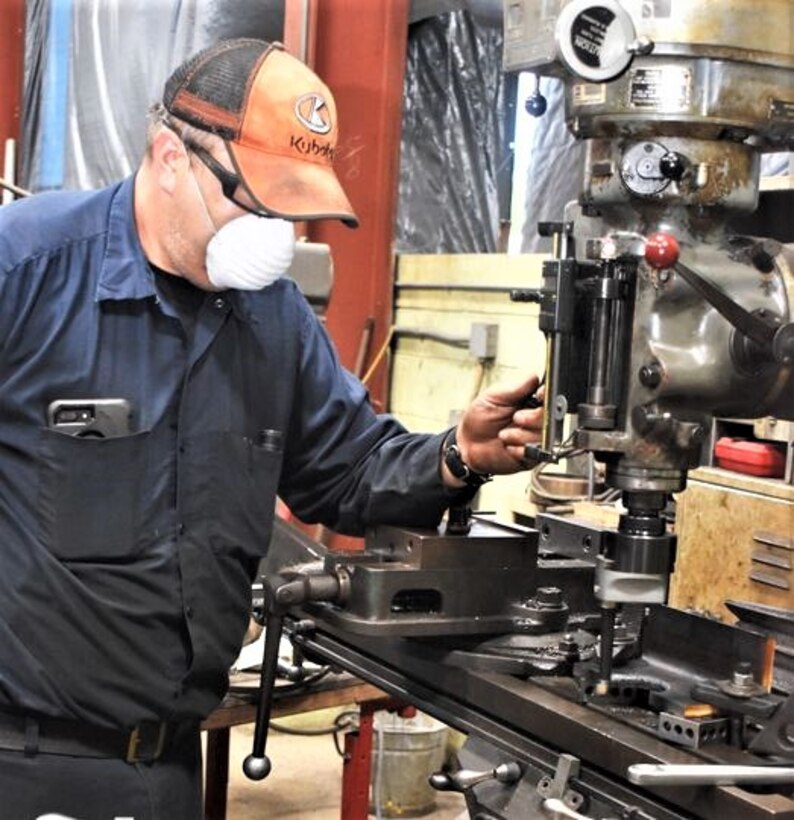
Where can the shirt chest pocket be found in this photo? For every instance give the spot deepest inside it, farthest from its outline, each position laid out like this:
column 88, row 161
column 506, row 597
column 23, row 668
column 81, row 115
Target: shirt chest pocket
column 231, row 482
column 90, row 495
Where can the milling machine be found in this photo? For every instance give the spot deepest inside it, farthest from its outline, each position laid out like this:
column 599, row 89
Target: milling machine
column 582, row 695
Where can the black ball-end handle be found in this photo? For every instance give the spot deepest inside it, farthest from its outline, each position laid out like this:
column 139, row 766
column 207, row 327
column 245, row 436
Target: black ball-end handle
column 535, row 104
column 256, row 768
column 280, row 593
column 257, row 765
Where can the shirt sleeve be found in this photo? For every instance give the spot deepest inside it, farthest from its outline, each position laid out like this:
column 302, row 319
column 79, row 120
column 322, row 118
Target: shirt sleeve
column 347, row 467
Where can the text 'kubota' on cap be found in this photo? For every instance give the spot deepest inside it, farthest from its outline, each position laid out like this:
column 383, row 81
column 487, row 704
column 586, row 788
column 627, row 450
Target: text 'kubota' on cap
column 278, row 120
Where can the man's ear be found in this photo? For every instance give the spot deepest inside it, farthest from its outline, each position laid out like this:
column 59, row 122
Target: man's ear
column 168, row 157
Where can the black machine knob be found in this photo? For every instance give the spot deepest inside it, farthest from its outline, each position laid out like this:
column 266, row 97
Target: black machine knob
column 536, row 104
column 464, row 779
column 651, row 375
column 673, row 165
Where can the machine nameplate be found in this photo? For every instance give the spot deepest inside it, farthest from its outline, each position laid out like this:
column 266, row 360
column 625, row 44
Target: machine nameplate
column 662, row 88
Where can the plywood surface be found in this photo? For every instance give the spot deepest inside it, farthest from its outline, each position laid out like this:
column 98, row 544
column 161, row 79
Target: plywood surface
column 733, row 544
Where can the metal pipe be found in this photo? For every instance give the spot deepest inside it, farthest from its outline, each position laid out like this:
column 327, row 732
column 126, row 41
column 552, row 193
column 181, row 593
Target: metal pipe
column 15, row 189
column 454, row 286
column 552, row 418
column 432, row 335
column 608, row 613
column 9, row 172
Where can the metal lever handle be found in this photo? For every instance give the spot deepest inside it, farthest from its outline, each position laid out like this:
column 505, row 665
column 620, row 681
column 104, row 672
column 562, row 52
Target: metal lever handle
column 747, row 324
column 464, row 779
column 778, row 340
column 257, row 765
column 659, row 774
column 283, row 593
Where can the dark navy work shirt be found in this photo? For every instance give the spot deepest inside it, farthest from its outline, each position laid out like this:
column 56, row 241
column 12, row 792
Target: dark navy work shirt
column 126, row 561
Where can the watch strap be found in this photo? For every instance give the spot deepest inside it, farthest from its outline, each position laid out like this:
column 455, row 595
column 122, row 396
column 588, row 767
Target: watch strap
column 458, row 467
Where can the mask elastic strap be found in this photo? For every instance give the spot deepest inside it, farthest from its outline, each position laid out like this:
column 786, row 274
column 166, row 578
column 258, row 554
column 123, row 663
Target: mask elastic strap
column 201, row 196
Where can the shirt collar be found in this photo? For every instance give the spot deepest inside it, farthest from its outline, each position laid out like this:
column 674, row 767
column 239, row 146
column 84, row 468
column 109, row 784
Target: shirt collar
column 125, row 273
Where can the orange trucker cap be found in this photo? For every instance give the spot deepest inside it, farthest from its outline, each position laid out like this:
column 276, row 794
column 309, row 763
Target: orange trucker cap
column 278, row 120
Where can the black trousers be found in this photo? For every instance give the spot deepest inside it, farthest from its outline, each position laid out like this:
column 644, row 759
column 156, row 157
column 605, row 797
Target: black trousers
column 104, row 789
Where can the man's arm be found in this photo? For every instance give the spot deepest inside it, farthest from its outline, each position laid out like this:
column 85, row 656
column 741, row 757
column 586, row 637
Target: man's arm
column 349, row 468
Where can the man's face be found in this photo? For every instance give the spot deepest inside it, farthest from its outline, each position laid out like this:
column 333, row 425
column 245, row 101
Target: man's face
column 208, row 197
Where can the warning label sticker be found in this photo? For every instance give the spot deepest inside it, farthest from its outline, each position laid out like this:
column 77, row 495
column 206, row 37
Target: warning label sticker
column 589, row 94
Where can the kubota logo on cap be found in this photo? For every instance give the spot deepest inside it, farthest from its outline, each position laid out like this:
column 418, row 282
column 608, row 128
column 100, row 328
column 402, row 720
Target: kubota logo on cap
column 312, row 112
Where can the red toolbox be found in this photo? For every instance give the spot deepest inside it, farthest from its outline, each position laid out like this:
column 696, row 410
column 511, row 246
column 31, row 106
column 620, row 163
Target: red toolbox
column 752, row 457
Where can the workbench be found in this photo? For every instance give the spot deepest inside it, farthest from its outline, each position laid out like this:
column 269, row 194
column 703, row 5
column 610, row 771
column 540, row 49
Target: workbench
column 237, row 709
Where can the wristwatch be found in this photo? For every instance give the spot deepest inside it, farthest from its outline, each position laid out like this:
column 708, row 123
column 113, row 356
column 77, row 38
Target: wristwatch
column 458, row 467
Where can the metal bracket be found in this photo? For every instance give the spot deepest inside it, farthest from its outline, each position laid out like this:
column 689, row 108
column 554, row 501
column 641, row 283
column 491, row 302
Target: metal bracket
column 557, row 788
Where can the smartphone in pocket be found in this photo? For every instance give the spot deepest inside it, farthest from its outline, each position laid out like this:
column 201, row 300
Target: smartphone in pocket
column 90, row 418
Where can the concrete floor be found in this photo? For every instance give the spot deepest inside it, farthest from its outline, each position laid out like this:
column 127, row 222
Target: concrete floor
column 305, row 782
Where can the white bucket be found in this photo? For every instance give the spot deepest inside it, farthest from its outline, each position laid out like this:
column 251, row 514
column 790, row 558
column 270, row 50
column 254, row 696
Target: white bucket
column 405, row 752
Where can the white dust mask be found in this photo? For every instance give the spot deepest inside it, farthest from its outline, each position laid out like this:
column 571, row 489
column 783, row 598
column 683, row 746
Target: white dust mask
column 250, row 252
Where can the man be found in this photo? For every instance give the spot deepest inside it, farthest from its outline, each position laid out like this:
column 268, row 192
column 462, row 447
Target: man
column 161, row 384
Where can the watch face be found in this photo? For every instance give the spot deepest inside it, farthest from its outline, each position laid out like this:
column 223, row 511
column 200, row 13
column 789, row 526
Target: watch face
column 455, row 463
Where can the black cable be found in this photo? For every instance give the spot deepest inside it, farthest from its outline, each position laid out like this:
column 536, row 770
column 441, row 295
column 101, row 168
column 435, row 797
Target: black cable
column 343, row 721
column 354, row 721
column 289, row 688
column 286, row 689
column 324, row 730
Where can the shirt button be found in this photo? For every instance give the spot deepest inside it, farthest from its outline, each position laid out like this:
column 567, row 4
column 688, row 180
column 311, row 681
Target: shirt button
column 219, row 303
column 180, row 528
column 188, row 611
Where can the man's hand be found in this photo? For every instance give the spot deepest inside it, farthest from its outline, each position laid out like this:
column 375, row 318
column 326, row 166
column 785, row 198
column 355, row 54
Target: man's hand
column 494, row 429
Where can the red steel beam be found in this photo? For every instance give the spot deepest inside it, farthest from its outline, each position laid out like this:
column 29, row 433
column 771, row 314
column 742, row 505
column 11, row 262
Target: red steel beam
column 12, row 58
column 359, row 50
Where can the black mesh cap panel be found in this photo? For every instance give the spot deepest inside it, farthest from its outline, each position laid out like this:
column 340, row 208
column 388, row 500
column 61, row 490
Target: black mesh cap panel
column 218, row 76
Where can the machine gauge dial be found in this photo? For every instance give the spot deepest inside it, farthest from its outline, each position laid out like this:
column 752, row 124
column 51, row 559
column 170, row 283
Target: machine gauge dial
column 642, row 169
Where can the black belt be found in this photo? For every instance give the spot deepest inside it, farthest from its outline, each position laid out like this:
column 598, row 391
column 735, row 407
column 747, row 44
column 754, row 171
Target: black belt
column 32, row 734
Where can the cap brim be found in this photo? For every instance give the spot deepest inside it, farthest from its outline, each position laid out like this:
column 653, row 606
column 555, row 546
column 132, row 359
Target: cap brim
column 291, row 188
